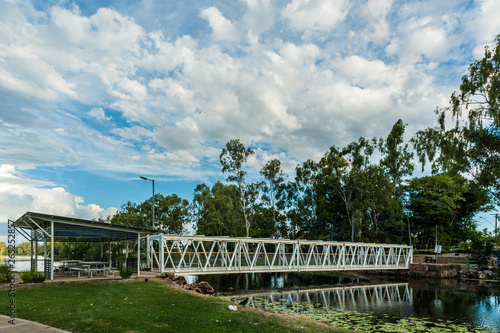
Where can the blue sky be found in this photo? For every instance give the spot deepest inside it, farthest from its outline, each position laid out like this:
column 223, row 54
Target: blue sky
column 94, row 97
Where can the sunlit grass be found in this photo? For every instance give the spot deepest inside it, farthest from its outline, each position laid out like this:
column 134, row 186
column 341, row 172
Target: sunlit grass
column 142, row 307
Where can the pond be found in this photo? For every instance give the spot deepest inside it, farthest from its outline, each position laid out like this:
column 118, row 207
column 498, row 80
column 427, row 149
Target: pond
column 363, row 305
column 23, row 263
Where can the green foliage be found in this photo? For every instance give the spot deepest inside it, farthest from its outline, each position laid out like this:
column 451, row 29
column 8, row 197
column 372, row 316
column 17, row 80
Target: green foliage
column 126, row 272
column 232, row 158
column 480, row 251
column 397, row 159
column 217, row 210
column 32, row 276
column 5, row 273
column 171, row 214
column 446, row 202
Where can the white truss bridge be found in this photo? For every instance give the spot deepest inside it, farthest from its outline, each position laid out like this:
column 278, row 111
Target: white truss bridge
column 200, row 255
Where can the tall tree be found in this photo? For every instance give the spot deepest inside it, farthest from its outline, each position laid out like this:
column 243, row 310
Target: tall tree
column 302, row 194
column 444, row 203
column 342, row 170
column 233, row 156
column 472, row 145
column 217, row 211
column 396, row 157
column 274, row 178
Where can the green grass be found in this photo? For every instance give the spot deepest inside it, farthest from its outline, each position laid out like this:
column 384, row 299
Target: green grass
column 141, row 307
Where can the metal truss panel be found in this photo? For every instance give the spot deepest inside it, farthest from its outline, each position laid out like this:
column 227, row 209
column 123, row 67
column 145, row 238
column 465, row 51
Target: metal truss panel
column 195, row 255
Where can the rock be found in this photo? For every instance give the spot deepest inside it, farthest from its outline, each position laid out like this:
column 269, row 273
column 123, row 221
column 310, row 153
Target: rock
column 481, row 276
column 488, row 272
column 180, row 280
column 202, row 287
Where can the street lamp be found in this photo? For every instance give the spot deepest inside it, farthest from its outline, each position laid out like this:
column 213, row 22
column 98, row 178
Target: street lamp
column 153, row 201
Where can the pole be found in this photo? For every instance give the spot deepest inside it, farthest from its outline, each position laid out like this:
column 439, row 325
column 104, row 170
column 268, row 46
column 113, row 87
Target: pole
column 496, row 239
column 153, row 199
column 409, row 232
column 436, row 249
column 153, row 202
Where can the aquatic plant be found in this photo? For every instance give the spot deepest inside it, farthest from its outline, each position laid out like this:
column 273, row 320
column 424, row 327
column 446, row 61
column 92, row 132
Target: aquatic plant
column 361, row 322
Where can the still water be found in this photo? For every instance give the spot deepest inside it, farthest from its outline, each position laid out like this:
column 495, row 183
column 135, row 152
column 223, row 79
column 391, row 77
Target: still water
column 438, row 301
column 23, row 263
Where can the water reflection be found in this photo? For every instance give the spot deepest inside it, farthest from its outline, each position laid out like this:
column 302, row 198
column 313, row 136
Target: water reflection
column 368, row 298
column 437, row 300
column 245, row 283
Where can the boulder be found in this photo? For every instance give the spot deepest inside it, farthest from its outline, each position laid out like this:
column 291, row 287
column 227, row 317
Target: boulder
column 202, row 287
column 180, row 280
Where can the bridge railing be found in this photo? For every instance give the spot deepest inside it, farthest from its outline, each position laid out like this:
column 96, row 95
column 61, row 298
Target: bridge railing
column 222, row 255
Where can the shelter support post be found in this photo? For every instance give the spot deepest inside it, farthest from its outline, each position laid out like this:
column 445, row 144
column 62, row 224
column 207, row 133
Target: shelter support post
column 109, row 253
column 162, row 253
column 52, row 250
column 138, row 254
column 31, row 252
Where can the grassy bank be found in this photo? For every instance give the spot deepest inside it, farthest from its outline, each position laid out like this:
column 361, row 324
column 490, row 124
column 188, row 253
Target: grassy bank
column 142, row 307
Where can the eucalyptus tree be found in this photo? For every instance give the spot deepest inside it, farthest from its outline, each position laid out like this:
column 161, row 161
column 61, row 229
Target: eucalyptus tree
column 272, row 187
column 472, row 145
column 445, row 205
column 232, row 158
column 302, row 199
column 216, row 211
column 342, row 172
column 396, row 156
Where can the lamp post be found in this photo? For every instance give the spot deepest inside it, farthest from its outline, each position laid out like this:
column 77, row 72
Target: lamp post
column 153, row 201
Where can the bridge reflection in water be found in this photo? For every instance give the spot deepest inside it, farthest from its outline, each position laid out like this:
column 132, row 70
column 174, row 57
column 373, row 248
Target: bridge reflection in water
column 194, row 255
column 367, row 298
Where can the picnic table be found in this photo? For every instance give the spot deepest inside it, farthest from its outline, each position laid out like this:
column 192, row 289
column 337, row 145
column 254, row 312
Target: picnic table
column 68, row 263
column 89, row 267
column 95, row 267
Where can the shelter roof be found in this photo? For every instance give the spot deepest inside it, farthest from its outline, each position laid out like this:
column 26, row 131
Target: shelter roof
column 75, row 229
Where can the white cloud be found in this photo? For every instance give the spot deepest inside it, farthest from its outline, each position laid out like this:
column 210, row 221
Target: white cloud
column 19, row 194
column 99, row 114
column 486, row 25
column 173, row 98
column 375, row 12
column 432, row 37
column 222, row 28
column 316, row 14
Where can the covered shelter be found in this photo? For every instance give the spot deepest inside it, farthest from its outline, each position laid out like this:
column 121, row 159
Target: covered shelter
column 38, row 227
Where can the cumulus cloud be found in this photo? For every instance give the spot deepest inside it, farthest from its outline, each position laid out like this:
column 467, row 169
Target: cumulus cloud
column 315, row 14
column 19, row 194
column 99, row 114
column 222, row 28
column 275, row 75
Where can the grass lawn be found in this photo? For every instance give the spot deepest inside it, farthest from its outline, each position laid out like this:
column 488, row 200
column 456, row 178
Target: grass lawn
column 142, row 307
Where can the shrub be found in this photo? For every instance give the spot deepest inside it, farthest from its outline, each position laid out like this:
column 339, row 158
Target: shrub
column 32, row 276
column 480, row 251
column 5, row 273
column 126, row 272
